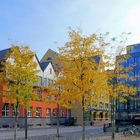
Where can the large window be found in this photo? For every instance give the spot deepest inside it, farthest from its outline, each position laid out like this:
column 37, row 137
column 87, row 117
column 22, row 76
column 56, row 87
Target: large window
column 5, row 110
column 62, row 113
column 45, row 82
column 55, row 112
column 29, row 113
column 48, row 112
column 38, row 112
column 14, row 111
column 69, row 113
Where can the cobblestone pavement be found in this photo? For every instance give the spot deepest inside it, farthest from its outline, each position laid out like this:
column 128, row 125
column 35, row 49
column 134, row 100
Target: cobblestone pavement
column 53, row 137
column 67, row 133
column 73, row 131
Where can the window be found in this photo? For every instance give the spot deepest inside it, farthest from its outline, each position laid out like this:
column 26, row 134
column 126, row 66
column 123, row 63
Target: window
column 55, row 112
column 94, row 116
column 48, row 97
column 45, row 81
column 55, row 97
column 69, row 113
column 138, row 103
column 5, row 110
column 48, row 112
column 49, row 82
column 29, row 113
column 106, row 105
column 40, row 80
column 101, row 115
column 100, row 104
column 106, row 116
column 50, row 70
column 14, row 111
column 38, row 91
column 38, row 112
column 62, row 113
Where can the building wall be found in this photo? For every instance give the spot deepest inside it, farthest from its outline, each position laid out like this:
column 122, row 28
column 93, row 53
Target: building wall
column 126, row 112
column 34, row 104
column 49, row 75
column 40, row 73
column 102, row 113
column 76, row 112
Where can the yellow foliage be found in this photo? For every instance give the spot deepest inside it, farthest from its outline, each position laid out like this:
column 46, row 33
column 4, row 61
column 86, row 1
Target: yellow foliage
column 19, row 72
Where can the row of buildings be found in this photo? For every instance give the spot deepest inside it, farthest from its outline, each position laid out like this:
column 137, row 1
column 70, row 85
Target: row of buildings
column 39, row 110
column 46, row 113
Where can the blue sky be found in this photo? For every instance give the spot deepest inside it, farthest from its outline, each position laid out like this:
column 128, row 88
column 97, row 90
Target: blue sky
column 44, row 24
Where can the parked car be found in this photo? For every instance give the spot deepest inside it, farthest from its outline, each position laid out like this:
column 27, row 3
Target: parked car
column 70, row 121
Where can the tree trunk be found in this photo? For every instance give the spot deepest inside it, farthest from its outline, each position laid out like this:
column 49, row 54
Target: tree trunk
column 58, row 122
column 113, row 118
column 83, row 111
column 16, row 121
column 26, row 123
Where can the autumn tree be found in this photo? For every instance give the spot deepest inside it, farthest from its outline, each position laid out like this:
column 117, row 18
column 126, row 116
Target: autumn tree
column 19, row 73
column 57, row 91
column 84, row 76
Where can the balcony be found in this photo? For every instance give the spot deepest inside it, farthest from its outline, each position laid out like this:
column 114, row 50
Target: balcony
column 98, row 108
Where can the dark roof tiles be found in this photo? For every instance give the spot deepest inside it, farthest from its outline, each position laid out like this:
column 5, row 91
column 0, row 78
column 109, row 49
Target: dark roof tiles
column 3, row 53
column 44, row 65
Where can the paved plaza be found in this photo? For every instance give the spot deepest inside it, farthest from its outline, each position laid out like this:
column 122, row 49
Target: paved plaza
column 73, row 132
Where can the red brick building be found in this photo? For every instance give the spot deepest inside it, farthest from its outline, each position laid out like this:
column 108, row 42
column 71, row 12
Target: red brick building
column 40, row 112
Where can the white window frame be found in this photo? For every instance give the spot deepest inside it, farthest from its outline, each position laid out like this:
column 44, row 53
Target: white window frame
column 55, row 97
column 29, row 113
column 38, row 111
column 48, row 112
column 48, row 97
column 62, row 113
column 55, row 112
column 5, row 110
column 13, row 112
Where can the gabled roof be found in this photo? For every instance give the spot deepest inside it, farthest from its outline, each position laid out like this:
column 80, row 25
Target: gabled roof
column 50, row 54
column 38, row 61
column 44, row 65
column 3, row 53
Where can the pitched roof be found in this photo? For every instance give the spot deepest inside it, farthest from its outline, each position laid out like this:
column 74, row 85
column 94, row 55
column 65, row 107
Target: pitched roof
column 50, row 54
column 44, row 65
column 3, row 53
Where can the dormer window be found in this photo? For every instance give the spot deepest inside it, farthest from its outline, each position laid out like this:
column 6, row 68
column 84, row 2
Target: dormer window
column 49, row 59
